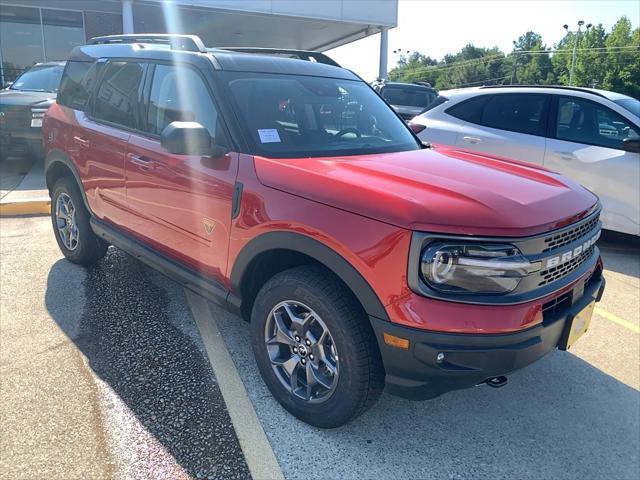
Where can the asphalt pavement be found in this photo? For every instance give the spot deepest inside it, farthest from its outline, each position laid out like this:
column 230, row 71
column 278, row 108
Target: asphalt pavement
column 103, row 371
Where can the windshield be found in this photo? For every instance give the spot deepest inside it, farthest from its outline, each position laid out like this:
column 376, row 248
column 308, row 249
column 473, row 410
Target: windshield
column 408, row 96
column 630, row 104
column 39, row 79
column 302, row 116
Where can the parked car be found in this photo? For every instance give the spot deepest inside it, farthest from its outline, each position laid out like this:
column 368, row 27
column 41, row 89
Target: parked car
column 22, row 108
column 407, row 99
column 591, row 136
column 360, row 256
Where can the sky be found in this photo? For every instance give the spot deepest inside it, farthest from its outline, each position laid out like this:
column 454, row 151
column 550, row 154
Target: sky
column 438, row 27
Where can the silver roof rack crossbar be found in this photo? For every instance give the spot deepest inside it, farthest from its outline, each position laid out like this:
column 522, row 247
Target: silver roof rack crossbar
column 300, row 54
column 190, row 43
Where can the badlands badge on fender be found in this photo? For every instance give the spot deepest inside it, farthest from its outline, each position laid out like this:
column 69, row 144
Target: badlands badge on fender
column 209, row 225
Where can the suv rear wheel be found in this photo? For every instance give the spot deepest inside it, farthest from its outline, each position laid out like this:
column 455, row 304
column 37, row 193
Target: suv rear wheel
column 71, row 226
column 314, row 347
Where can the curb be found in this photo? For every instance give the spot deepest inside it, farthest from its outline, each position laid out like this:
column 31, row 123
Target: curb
column 29, row 207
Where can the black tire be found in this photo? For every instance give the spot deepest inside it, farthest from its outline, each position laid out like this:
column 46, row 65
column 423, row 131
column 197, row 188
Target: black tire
column 89, row 248
column 361, row 375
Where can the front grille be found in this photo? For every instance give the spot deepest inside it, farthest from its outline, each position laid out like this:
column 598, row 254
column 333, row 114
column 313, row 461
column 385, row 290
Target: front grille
column 553, row 307
column 16, row 117
column 559, row 240
column 555, row 273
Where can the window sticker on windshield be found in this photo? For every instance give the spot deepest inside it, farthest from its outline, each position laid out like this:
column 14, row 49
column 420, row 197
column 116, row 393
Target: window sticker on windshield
column 269, row 135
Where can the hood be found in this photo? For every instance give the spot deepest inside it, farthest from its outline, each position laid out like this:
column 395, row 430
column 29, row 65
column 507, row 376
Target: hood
column 442, row 190
column 30, row 99
column 406, row 111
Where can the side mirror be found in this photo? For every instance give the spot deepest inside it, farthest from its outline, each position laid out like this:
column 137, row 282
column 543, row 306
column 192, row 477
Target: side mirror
column 631, row 145
column 189, row 138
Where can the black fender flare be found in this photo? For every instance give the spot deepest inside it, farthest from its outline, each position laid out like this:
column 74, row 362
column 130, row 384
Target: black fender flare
column 56, row 156
column 283, row 240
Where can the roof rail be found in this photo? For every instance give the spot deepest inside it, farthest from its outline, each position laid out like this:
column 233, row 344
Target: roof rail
column 189, row 43
column 300, row 54
column 559, row 87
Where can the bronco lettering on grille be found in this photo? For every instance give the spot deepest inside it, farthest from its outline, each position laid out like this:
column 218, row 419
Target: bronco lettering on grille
column 566, row 256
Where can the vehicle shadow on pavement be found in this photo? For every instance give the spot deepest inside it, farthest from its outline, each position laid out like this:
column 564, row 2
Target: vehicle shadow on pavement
column 141, row 344
column 559, row 418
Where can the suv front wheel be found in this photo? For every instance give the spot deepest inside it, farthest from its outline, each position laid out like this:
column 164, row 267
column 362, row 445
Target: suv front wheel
column 314, row 347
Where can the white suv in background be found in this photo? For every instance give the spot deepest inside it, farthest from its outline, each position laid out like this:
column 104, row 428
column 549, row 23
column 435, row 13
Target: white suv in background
column 591, row 136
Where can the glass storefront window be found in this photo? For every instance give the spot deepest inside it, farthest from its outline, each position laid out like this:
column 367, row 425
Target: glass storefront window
column 63, row 30
column 21, row 37
column 20, row 40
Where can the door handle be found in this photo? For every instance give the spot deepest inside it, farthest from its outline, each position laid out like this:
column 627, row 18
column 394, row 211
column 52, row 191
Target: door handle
column 565, row 155
column 83, row 142
column 473, row 140
column 142, row 162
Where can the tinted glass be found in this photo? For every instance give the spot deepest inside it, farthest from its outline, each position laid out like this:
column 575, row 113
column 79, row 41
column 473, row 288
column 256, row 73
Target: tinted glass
column 20, row 40
column 118, row 92
column 438, row 101
column 522, row 113
column 77, row 84
column 408, row 96
column 299, row 116
column 587, row 122
column 40, row 79
column 63, row 30
column 179, row 94
column 630, row 104
column 469, row 110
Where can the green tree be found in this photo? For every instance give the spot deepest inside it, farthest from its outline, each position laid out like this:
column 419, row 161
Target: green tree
column 530, row 63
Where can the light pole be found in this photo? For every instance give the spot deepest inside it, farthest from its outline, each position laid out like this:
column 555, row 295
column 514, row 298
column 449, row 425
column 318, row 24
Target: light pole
column 575, row 46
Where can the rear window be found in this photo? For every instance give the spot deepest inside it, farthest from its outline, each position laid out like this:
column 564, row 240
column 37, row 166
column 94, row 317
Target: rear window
column 522, row 113
column 303, row 116
column 77, row 84
column 408, row 96
column 437, row 102
column 469, row 110
column 117, row 96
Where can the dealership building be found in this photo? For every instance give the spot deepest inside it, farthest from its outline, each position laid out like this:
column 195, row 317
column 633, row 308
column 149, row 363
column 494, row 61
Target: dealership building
column 33, row 31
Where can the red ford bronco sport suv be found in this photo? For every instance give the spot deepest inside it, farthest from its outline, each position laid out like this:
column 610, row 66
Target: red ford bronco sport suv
column 286, row 190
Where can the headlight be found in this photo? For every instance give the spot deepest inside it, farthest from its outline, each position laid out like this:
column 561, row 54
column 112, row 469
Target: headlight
column 474, row 268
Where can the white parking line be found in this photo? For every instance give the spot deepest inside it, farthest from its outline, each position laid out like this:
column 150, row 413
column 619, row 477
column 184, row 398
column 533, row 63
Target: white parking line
column 260, row 458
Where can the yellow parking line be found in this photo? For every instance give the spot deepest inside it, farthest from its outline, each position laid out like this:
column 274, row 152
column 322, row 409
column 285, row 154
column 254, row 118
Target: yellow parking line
column 610, row 316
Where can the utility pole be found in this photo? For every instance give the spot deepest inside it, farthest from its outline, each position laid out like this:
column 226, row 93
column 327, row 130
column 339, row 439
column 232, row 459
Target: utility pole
column 575, row 46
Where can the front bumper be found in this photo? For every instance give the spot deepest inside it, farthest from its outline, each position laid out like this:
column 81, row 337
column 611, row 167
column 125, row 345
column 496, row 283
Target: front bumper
column 470, row 359
column 22, row 143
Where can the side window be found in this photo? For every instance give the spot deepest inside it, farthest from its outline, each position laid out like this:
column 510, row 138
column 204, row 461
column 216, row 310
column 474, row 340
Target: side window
column 77, row 84
column 522, row 113
column 178, row 93
column 583, row 121
column 469, row 110
column 117, row 93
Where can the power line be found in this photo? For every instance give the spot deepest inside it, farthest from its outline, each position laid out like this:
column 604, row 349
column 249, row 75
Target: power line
column 503, row 56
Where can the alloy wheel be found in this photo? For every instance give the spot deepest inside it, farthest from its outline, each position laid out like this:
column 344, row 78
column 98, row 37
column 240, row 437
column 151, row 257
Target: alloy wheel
column 302, row 352
column 66, row 221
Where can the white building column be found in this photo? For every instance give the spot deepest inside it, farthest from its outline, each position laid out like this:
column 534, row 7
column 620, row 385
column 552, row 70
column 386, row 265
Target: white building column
column 127, row 16
column 384, row 50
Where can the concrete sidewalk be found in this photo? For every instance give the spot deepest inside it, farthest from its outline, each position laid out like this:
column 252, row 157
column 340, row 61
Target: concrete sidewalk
column 23, row 194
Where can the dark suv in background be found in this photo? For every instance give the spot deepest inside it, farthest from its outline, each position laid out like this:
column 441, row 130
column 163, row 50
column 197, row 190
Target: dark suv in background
column 407, row 99
column 22, row 108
